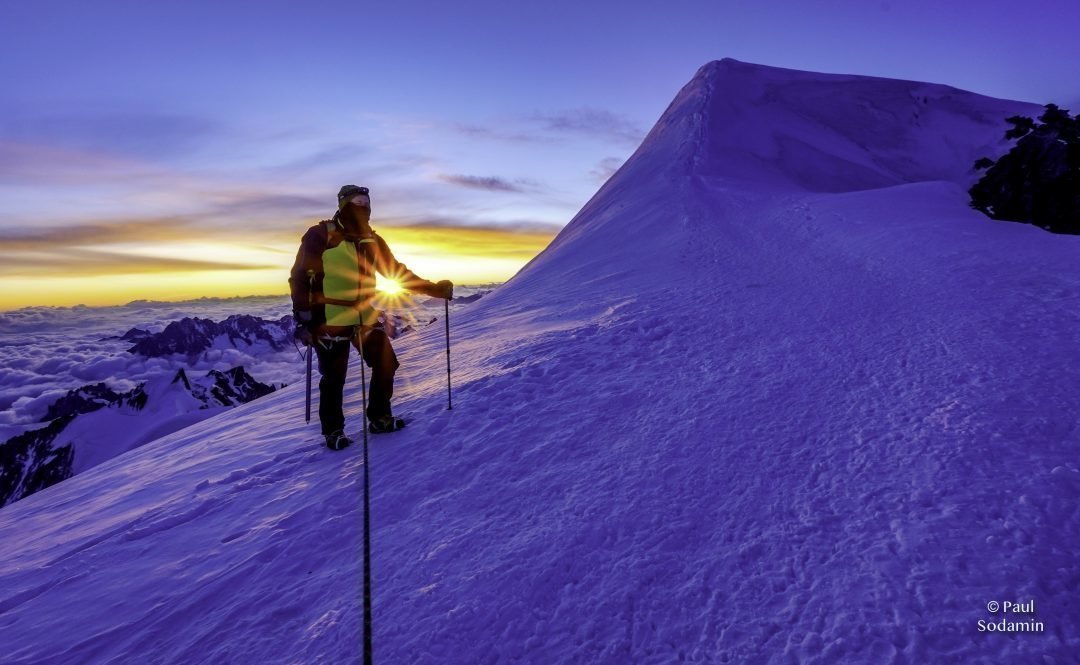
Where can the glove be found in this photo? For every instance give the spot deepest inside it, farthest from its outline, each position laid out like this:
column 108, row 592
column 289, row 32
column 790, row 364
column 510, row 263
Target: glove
column 302, row 332
column 303, row 335
column 443, row 289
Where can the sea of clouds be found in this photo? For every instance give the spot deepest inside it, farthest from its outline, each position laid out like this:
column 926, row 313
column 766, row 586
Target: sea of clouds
column 47, row 351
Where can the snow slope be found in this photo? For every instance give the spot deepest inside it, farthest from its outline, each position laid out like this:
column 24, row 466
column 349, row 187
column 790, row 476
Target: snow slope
column 775, row 395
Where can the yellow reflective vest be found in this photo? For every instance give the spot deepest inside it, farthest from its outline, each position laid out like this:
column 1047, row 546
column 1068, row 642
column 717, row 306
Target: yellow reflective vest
column 347, row 287
column 334, row 275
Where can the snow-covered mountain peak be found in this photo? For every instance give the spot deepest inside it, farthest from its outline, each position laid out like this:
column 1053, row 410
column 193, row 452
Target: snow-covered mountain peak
column 826, row 132
column 739, row 130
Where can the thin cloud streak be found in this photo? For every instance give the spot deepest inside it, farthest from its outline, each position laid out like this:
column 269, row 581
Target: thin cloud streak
column 452, row 224
column 549, row 127
column 101, row 233
column 592, row 122
column 490, row 184
column 478, row 132
column 76, row 262
column 278, row 205
column 325, row 158
column 165, row 230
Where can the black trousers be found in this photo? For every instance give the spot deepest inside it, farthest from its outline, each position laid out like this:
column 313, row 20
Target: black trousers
column 333, row 365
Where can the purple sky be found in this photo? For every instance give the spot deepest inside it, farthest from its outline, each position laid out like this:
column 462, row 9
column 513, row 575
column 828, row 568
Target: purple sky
column 167, row 118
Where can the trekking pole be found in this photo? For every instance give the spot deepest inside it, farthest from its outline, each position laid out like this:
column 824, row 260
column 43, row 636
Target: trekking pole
column 310, row 349
column 307, row 407
column 367, row 507
column 446, row 317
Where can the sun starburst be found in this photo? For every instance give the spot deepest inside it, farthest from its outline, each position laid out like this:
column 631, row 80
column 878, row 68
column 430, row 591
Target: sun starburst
column 388, row 286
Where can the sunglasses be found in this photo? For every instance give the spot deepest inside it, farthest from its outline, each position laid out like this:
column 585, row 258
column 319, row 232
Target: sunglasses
column 360, row 199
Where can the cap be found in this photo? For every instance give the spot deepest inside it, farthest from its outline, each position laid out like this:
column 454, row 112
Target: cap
column 347, row 192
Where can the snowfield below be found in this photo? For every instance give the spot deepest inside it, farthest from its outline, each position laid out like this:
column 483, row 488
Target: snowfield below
column 717, row 421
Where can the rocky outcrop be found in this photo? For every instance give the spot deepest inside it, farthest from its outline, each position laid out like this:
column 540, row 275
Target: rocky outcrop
column 87, row 399
column 29, row 462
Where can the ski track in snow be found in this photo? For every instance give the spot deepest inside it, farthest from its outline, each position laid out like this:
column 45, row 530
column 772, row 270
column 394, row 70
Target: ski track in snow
column 800, row 428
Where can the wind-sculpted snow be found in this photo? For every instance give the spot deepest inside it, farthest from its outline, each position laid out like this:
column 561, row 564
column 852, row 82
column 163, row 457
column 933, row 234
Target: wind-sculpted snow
column 719, row 420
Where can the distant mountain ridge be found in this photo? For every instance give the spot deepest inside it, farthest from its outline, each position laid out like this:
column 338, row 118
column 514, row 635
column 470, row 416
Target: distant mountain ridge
column 89, row 398
column 193, row 335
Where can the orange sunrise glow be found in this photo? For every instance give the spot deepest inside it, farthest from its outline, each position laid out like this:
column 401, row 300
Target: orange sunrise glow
column 113, row 272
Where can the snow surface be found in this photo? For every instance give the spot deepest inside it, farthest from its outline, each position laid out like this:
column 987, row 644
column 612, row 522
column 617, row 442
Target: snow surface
column 770, row 397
